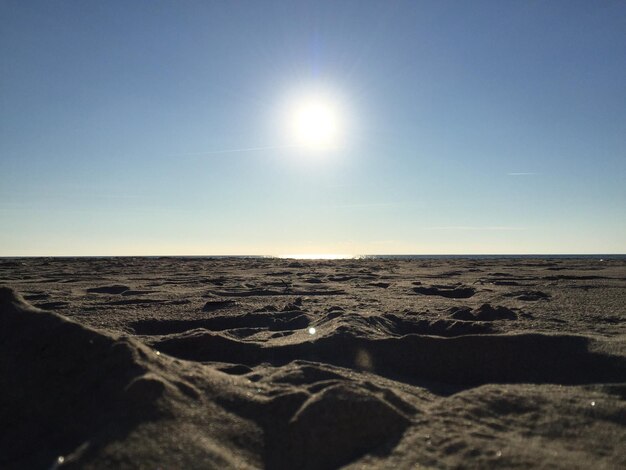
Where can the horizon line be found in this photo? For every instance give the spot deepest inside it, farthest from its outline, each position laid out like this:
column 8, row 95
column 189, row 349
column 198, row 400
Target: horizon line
column 293, row 256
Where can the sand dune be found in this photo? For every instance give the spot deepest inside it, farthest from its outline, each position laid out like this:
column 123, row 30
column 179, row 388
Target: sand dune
column 261, row 363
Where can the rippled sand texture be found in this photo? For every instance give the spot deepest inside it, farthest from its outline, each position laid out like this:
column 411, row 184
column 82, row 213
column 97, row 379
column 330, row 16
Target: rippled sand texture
column 264, row 363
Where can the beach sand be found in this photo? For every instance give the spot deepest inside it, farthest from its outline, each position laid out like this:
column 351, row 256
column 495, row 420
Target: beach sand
column 270, row 363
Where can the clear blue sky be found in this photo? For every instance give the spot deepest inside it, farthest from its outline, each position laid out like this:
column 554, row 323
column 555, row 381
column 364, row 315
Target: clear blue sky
column 470, row 127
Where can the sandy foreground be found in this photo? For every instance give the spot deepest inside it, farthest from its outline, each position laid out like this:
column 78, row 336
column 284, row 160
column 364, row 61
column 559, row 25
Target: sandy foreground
column 268, row 363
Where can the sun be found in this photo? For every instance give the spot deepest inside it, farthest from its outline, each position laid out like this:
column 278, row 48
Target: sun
column 315, row 123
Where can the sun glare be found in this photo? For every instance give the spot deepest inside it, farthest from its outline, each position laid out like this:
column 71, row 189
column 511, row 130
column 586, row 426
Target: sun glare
column 315, row 123
column 317, row 256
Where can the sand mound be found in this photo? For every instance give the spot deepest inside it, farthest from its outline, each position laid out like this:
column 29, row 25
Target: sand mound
column 483, row 313
column 529, row 295
column 69, row 391
column 48, row 363
column 334, row 427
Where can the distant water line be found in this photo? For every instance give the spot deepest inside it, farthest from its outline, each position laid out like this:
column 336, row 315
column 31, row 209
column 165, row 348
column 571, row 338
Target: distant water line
column 333, row 256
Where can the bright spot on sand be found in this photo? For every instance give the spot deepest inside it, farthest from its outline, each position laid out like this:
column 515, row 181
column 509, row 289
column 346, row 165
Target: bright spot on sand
column 363, row 360
column 312, row 331
column 60, row 460
column 593, row 403
column 315, row 121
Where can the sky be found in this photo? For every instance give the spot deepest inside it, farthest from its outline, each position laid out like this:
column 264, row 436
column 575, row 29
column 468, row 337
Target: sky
column 164, row 127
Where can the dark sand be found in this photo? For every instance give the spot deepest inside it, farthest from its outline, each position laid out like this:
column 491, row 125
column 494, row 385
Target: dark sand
column 234, row 363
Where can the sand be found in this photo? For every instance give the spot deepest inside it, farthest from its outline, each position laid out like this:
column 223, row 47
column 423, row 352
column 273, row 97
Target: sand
column 269, row 363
